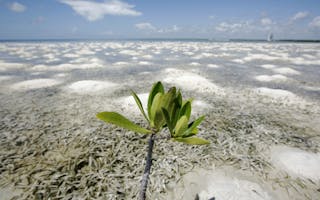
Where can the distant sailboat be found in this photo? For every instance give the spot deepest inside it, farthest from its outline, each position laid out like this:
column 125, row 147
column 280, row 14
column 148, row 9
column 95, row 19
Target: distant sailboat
column 270, row 37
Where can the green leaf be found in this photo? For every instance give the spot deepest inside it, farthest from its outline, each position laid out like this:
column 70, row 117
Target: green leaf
column 192, row 133
column 181, row 126
column 119, row 120
column 168, row 98
column 156, row 88
column 192, row 140
column 193, row 125
column 167, row 118
column 175, row 112
column 179, row 98
column 186, row 109
column 159, row 120
column 136, row 98
column 155, row 107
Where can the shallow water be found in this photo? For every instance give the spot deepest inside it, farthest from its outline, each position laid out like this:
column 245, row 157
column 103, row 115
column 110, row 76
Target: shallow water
column 256, row 96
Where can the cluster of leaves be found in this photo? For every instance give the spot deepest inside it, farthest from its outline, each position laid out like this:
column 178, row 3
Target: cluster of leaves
column 165, row 109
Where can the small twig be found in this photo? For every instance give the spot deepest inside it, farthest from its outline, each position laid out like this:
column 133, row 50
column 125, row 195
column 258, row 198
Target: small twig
column 145, row 177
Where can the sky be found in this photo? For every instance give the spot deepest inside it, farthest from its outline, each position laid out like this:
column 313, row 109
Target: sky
column 120, row 19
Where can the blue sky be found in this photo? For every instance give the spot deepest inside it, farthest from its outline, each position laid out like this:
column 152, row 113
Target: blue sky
column 98, row 19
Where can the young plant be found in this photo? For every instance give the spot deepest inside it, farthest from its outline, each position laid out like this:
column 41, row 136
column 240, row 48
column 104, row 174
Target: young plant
column 164, row 109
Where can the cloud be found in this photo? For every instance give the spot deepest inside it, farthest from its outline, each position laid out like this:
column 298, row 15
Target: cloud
column 299, row 15
column 17, row 7
column 145, row 26
column 172, row 29
column 232, row 27
column 92, row 10
column 315, row 23
column 266, row 21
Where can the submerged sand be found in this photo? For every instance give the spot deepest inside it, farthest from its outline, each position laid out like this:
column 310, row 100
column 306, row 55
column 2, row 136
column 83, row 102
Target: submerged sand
column 262, row 118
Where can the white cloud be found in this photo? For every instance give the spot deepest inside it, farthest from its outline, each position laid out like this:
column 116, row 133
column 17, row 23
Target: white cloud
column 315, row 23
column 149, row 27
column 145, row 26
column 17, row 7
column 231, row 27
column 92, row 10
column 172, row 29
column 299, row 15
column 266, row 21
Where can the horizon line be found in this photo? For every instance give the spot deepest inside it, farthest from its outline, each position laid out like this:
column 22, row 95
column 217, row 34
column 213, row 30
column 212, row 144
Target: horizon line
column 163, row 39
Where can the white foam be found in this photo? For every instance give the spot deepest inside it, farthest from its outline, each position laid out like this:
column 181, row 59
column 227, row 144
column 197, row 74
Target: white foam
column 296, row 162
column 191, row 81
column 267, row 78
column 91, row 87
column 286, row 70
column 35, row 84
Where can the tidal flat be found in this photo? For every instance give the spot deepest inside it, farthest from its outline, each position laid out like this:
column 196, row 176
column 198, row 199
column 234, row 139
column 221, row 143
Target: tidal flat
column 261, row 102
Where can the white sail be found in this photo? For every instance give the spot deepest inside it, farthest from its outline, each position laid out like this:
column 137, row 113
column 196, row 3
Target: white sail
column 270, row 37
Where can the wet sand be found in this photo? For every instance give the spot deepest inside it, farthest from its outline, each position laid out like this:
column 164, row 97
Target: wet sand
column 261, row 103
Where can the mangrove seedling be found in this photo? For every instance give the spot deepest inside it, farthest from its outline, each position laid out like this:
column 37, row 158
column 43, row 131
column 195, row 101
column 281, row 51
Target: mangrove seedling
column 164, row 109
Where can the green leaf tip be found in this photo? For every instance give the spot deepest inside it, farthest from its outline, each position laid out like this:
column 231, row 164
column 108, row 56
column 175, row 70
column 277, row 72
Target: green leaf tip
column 138, row 101
column 119, row 120
column 156, row 88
